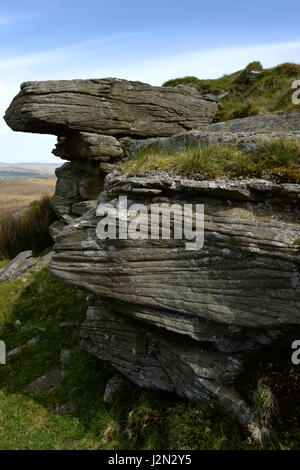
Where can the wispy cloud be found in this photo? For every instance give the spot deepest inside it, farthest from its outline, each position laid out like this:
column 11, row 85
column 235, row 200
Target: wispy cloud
column 116, row 56
column 87, row 49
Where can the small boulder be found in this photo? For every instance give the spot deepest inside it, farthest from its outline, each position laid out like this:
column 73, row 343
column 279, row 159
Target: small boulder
column 29, row 344
column 47, row 383
column 65, row 409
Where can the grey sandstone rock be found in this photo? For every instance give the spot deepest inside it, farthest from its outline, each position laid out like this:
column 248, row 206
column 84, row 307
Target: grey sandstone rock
column 56, row 228
column 32, row 342
column 186, row 321
column 284, row 123
column 18, row 267
column 163, row 316
column 23, row 265
column 80, row 208
column 76, row 182
column 112, row 387
column 248, row 133
column 107, row 106
column 87, row 146
column 46, row 384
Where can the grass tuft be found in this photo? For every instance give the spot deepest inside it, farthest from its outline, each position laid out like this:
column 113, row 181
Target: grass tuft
column 264, row 402
column 276, row 160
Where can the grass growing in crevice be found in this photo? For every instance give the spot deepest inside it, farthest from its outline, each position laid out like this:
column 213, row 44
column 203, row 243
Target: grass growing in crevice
column 264, row 402
column 136, row 419
column 26, row 231
column 275, row 160
column 3, row 263
column 269, row 92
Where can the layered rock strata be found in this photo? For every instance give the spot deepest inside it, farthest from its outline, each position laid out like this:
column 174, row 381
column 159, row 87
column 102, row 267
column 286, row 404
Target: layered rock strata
column 166, row 317
column 186, row 321
column 108, row 106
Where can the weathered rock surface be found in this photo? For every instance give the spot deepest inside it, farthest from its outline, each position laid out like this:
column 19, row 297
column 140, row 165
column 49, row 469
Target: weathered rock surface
column 284, row 123
column 181, row 320
column 88, row 146
column 46, row 384
column 17, row 267
column 32, row 342
column 112, row 387
column 22, row 265
column 107, row 106
column 248, row 133
column 163, row 316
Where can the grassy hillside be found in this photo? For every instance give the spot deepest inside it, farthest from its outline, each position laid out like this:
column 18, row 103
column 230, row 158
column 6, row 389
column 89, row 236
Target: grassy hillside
column 147, row 420
column 268, row 92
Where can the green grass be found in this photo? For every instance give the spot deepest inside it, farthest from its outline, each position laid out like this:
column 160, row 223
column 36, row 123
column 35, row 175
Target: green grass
column 276, row 160
column 270, row 92
column 136, row 419
column 3, row 263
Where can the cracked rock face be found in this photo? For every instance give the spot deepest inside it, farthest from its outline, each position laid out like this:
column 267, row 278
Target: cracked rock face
column 107, row 106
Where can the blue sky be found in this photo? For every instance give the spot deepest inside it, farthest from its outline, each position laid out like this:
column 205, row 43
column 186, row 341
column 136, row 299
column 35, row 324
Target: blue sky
column 150, row 41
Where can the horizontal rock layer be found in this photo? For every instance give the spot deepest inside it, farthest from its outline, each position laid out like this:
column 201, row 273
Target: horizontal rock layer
column 284, row 123
column 187, row 320
column 247, row 133
column 107, row 106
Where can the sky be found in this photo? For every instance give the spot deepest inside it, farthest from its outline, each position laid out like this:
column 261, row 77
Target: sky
column 151, row 41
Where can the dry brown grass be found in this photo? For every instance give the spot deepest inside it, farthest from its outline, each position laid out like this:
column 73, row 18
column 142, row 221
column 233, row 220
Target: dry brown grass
column 28, row 230
column 17, row 195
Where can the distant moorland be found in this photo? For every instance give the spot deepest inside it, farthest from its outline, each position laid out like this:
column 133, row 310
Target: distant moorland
column 16, row 195
column 25, row 171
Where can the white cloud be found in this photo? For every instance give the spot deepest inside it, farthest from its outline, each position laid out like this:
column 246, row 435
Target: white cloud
column 113, row 56
column 208, row 63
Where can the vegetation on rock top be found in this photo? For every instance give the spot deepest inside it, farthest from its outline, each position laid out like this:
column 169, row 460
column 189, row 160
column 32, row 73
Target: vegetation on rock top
column 275, row 160
column 269, row 91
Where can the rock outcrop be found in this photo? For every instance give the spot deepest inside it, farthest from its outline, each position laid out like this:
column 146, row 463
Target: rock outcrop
column 248, row 133
column 187, row 321
column 23, row 265
column 166, row 317
column 107, row 106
